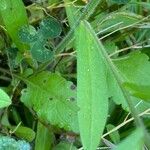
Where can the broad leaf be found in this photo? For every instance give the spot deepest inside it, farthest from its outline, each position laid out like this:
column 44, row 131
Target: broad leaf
column 138, row 76
column 140, row 91
column 53, row 98
column 4, row 99
column 14, row 16
column 135, row 141
column 92, row 87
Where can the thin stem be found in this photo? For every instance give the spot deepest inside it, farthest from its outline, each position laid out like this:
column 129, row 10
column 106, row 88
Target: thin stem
column 125, row 122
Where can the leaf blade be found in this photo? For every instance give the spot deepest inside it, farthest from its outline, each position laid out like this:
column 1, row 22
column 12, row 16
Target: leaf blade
column 91, row 85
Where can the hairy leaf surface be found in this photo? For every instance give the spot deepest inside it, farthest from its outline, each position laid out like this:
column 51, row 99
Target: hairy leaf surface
column 92, row 87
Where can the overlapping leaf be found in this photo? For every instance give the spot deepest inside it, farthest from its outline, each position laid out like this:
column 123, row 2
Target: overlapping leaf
column 41, row 50
column 53, row 98
column 134, row 68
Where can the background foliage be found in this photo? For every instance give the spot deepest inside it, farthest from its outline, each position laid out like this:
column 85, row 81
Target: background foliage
column 74, row 74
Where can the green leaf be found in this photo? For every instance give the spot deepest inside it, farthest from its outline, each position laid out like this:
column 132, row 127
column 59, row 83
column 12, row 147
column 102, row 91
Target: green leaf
column 72, row 12
column 53, row 98
column 139, row 76
column 14, row 16
column 140, row 91
column 44, row 138
column 64, row 146
column 4, row 99
column 50, row 28
column 24, row 133
column 115, row 21
column 41, row 51
column 134, row 141
column 115, row 137
column 28, row 34
column 92, row 96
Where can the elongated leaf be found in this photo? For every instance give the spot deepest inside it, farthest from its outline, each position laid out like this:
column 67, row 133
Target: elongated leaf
column 4, row 99
column 121, row 1
column 115, row 137
column 92, row 87
column 53, row 98
column 43, row 138
column 72, row 12
column 14, row 16
column 134, row 141
column 24, row 133
column 115, row 20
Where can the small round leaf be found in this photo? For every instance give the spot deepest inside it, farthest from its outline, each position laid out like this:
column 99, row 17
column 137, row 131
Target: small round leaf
column 50, row 28
column 41, row 52
column 28, row 34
